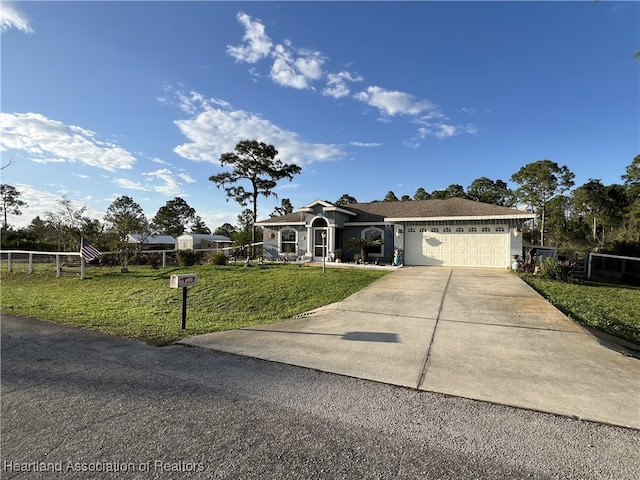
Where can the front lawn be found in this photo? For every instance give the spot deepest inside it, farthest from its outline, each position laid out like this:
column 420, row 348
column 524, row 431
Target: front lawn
column 614, row 309
column 141, row 305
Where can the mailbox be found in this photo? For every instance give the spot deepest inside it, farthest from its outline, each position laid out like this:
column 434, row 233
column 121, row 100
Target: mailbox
column 183, row 280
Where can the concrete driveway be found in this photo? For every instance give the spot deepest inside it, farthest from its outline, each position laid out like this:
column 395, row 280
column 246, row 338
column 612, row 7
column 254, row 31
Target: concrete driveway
column 476, row 333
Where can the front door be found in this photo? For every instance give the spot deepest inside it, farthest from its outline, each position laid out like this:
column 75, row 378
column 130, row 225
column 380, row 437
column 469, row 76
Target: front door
column 319, row 243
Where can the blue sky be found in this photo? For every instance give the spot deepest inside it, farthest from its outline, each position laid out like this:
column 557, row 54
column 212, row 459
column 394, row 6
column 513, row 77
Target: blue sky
column 103, row 99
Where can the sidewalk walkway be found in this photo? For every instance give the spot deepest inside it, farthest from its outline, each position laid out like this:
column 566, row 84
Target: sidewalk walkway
column 476, row 333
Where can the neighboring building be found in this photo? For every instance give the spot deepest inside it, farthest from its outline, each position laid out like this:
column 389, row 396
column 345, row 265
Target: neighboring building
column 153, row 242
column 198, row 241
column 427, row 232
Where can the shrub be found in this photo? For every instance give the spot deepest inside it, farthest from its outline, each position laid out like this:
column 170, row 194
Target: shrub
column 186, row 258
column 108, row 259
column 552, row 269
column 154, row 260
column 365, row 245
column 216, row 258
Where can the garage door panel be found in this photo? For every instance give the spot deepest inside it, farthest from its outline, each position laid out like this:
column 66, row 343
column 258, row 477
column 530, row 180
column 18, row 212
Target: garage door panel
column 473, row 261
column 482, row 249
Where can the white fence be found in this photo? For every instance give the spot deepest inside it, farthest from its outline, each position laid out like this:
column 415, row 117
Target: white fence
column 31, row 257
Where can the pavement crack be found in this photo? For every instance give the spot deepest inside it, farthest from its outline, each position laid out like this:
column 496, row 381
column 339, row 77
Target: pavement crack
column 423, row 372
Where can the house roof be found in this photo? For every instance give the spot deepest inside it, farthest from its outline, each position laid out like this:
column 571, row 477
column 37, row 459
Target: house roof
column 205, row 236
column 326, row 206
column 295, row 218
column 414, row 210
column 151, row 239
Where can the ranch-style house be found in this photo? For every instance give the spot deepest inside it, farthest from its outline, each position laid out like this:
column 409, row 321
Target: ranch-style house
column 451, row 232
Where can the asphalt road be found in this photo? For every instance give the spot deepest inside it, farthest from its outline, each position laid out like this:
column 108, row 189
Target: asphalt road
column 79, row 404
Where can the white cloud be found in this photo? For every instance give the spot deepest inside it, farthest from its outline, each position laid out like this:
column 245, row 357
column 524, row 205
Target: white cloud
column 310, row 65
column 129, row 184
column 212, row 131
column 392, row 103
column 186, row 177
column 12, row 18
column 46, row 140
column 470, row 129
column 295, row 69
column 163, row 181
column 444, row 130
column 365, row 144
column 411, row 144
column 433, row 115
column 299, row 69
column 283, row 71
column 290, row 68
column 257, row 44
column 337, row 84
column 288, row 186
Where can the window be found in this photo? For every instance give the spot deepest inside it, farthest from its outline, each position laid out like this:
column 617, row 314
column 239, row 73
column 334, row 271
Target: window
column 423, row 230
column 435, row 230
column 411, row 230
column 499, row 229
column 373, row 234
column 459, row 230
column 288, row 241
column 446, row 230
column 473, row 229
column 486, row 229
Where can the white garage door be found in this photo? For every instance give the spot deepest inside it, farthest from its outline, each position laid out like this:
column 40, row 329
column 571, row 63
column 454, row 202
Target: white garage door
column 458, row 246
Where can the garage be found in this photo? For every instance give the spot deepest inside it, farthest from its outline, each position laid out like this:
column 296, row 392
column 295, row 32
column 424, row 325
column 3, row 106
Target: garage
column 458, row 245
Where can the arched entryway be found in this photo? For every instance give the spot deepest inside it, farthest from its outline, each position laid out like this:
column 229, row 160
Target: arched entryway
column 320, row 245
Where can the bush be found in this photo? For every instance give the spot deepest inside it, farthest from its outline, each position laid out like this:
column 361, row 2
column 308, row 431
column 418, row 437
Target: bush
column 186, row 258
column 216, row 258
column 108, row 259
column 552, row 269
column 154, row 260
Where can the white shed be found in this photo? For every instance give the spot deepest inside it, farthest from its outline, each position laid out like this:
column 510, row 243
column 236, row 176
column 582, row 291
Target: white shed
column 153, row 242
column 198, row 241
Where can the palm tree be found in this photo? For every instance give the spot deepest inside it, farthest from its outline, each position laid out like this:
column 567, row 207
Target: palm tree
column 364, row 245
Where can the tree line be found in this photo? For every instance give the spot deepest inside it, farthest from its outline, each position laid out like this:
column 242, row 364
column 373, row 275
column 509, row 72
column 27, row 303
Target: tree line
column 590, row 217
column 61, row 229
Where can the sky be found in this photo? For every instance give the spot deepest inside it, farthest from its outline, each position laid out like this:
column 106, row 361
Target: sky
column 105, row 99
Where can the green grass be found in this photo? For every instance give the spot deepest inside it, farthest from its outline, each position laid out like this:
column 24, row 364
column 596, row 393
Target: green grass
column 141, row 305
column 614, row 309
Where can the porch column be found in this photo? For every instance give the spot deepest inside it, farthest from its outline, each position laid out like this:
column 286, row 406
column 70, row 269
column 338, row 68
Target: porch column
column 309, row 247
